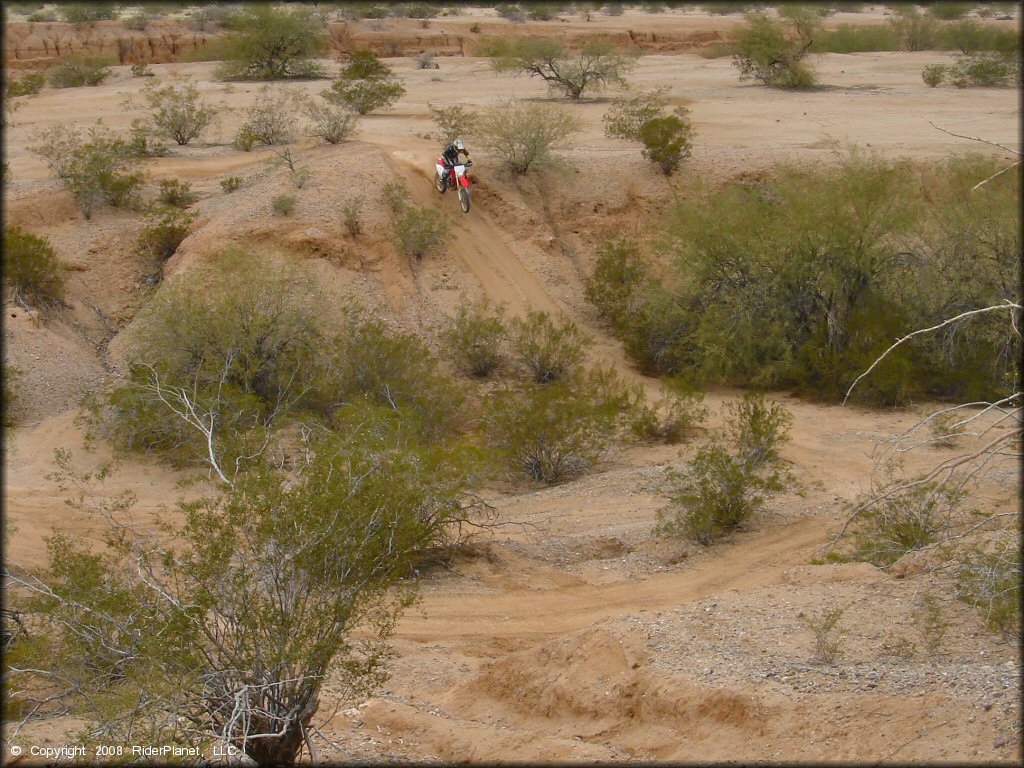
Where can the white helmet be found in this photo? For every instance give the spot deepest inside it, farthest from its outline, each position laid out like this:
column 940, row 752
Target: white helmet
column 460, row 145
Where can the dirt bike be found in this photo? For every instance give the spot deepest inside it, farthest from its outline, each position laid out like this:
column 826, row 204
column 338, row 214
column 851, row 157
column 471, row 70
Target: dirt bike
column 456, row 176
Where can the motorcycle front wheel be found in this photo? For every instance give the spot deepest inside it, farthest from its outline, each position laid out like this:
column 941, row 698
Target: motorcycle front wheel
column 439, row 182
column 464, row 199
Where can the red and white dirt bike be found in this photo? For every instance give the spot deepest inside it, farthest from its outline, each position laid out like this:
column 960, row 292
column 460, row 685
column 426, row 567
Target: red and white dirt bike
column 456, row 176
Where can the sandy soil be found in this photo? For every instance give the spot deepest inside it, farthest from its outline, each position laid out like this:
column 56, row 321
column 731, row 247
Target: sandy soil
column 577, row 635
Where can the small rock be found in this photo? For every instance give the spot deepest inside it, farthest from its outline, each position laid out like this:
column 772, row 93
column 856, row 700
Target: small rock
column 999, row 743
column 987, row 706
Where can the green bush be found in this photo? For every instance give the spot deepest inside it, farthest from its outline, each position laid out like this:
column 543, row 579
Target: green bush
column 270, row 120
column 556, row 431
column 95, row 167
column 176, row 192
column 350, row 213
column 141, row 143
column 365, row 84
column 28, row 84
column 165, row 230
column 721, row 488
column 284, row 205
column 418, row 231
column 989, row 578
column 545, row 350
column 452, row 122
column 849, row 38
column 916, row 31
column 948, row 11
column 598, row 65
column 267, row 43
column 475, row 339
column 525, row 135
column 775, row 52
column 87, row 13
column 231, row 184
column 666, row 137
column 618, row 274
column 42, row 15
column 78, row 70
column 676, row 416
column 178, row 113
column 902, row 522
column 828, row 636
column 141, row 69
column 331, row 123
column 32, row 270
column 933, row 74
column 985, row 70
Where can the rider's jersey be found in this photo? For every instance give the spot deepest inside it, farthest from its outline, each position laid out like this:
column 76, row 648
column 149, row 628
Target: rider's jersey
column 451, row 154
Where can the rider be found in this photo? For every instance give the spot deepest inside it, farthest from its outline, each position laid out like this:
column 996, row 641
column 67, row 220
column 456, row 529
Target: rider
column 450, row 156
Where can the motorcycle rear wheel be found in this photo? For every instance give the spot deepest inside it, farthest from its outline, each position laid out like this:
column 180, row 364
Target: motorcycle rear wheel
column 464, row 199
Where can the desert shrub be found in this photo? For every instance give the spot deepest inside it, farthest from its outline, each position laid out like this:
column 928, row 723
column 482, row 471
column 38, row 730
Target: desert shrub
column 317, row 562
column 948, row 11
column 985, row 70
column 27, row 85
column 365, row 84
column 231, row 183
column 613, row 9
column 86, row 13
column 419, row 231
column 96, row 167
column 724, row 9
column 267, row 43
column 848, row 38
column 78, row 70
column 425, row 60
column 166, row 228
column 556, row 431
column 176, row 192
column 178, row 112
column 916, row 31
column 544, row 349
column 666, row 141
column 270, row 120
column 395, row 196
column 452, row 122
column 902, row 522
column 828, row 635
column 720, row 489
column 141, row 69
column 598, row 65
column 967, row 36
column 524, row 135
column 140, row 142
column 213, row 16
column 11, row 374
column 931, row 624
column 283, row 205
column 775, row 52
column 758, row 429
column 138, row 21
column 331, row 123
column 933, row 74
column 475, row 339
column 43, row 15
column 618, row 274
column 989, row 579
column 32, row 270
column 510, row 11
column 673, row 418
column 946, row 429
column 665, row 136
column 351, row 215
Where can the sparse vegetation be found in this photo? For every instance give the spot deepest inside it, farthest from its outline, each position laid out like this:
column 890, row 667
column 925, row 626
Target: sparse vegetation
column 934, row 74
column 671, row 420
column 525, row 135
column 721, row 488
column 11, row 374
column 986, row 70
column 351, row 213
column 141, row 69
column 828, row 635
column 78, row 70
column 666, row 137
column 231, row 184
column 775, row 52
column 96, row 166
column 28, row 84
column 546, row 350
column 419, row 231
column 270, row 120
column 598, row 65
column 989, row 578
column 331, row 123
column 365, row 85
column 476, row 338
column 931, row 624
column 178, row 112
column 32, row 271
column 452, row 122
column 268, row 43
column 284, row 205
column 87, row 13
column 176, row 192
column 141, row 142
column 166, row 228
column 904, row 522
